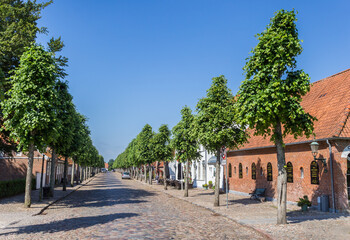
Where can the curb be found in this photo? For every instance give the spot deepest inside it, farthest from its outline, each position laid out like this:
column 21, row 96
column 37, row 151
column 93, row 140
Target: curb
column 63, row 197
column 211, row 210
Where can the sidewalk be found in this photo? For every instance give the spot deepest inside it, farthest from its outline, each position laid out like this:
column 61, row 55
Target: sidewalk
column 263, row 216
column 12, row 210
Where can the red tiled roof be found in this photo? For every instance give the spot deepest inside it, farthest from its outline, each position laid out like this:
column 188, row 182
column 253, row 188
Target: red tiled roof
column 329, row 101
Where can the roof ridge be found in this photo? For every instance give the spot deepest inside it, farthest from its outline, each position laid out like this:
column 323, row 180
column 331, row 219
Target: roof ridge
column 318, row 81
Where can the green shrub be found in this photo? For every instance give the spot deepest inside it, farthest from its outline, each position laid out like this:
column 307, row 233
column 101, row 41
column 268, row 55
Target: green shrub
column 13, row 187
column 210, row 183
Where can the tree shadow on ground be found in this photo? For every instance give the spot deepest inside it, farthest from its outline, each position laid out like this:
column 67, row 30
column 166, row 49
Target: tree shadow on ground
column 69, row 224
column 299, row 216
column 244, row 201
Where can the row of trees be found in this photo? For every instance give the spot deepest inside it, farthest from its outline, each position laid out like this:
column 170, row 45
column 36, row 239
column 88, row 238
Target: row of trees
column 36, row 107
column 267, row 104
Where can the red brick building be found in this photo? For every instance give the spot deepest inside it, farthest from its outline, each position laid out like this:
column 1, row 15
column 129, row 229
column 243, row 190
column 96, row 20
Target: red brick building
column 15, row 166
column 255, row 164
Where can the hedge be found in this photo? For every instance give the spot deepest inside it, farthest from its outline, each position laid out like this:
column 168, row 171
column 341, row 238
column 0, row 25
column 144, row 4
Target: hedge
column 13, row 187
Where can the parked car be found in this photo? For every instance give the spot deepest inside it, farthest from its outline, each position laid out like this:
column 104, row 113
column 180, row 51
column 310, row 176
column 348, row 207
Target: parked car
column 126, row 175
column 103, row 170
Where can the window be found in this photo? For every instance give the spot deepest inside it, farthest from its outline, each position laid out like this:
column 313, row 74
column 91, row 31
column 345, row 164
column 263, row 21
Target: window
column 289, row 172
column 229, row 170
column 253, row 171
column 314, row 173
column 301, row 172
column 240, row 171
column 269, row 172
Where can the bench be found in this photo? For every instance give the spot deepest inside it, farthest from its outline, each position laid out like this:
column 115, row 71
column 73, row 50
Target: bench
column 258, row 194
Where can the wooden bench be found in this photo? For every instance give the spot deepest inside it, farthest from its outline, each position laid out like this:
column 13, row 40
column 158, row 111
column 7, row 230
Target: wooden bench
column 258, row 194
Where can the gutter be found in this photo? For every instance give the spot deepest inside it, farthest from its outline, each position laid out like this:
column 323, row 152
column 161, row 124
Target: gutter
column 332, row 175
column 290, row 144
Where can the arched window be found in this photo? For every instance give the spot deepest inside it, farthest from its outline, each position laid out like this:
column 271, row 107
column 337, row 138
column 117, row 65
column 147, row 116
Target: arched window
column 269, row 172
column 229, row 170
column 289, row 172
column 253, row 171
column 240, row 171
column 314, row 173
column 301, row 172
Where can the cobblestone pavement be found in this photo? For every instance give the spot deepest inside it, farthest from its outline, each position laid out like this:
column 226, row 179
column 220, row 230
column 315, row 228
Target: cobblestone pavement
column 111, row 208
column 262, row 216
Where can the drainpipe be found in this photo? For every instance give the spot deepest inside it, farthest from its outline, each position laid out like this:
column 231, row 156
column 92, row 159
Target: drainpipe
column 205, row 166
column 332, row 176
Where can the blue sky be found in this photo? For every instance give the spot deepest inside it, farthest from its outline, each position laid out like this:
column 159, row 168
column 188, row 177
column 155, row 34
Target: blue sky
column 136, row 62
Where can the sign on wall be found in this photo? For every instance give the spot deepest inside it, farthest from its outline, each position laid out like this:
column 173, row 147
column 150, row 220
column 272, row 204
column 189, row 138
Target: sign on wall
column 314, row 173
column 269, row 172
column 289, row 172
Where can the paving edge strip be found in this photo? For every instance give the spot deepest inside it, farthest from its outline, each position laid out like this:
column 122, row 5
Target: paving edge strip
column 63, row 197
column 211, row 210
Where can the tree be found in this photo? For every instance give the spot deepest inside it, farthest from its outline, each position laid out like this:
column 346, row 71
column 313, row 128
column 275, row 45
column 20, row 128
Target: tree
column 29, row 107
column 215, row 124
column 184, row 142
column 145, row 148
column 18, row 30
column 162, row 149
column 110, row 163
column 270, row 96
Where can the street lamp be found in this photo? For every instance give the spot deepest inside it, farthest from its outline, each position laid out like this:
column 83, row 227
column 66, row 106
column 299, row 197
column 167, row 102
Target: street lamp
column 314, row 149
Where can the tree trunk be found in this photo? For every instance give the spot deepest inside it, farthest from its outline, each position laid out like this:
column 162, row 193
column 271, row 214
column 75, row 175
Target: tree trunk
column 145, row 171
column 81, row 173
column 65, row 174
column 150, row 174
column 28, row 189
column 41, row 179
column 282, row 176
column 52, row 175
column 186, row 180
column 72, row 176
column 217, row 179
column 165, row 176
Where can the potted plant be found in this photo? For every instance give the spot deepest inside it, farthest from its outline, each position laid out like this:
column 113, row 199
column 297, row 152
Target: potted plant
column 210, row 184
column 205, row 186
column 304, row 203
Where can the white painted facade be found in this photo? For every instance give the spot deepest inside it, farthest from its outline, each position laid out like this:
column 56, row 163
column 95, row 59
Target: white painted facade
column 201, row 171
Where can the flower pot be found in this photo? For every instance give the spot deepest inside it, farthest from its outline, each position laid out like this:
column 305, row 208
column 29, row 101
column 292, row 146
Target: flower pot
column 304, row 208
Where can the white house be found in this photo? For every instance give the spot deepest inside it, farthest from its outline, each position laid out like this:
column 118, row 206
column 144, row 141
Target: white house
column 202, row 171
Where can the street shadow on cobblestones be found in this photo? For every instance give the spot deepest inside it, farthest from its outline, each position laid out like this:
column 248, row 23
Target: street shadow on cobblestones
column 69, row 224
column 105, row 197
column 298, row 216
column 244, row 201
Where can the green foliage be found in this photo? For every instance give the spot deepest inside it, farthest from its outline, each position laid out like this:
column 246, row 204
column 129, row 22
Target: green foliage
column 145, row 145
column 215, row 123
column 272, row 90
column 29, row 109
column 184, row 140
column 18, row 30
column 162, row 150
column 304, row 201
column 14, row 187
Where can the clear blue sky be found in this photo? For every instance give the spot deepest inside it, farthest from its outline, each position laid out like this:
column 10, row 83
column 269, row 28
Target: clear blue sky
column 136, row 62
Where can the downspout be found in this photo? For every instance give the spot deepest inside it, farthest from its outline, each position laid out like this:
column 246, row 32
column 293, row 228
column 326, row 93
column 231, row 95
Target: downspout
column 332, row 176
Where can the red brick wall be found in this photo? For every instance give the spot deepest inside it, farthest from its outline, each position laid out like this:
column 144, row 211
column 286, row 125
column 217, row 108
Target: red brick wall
column 300, row 156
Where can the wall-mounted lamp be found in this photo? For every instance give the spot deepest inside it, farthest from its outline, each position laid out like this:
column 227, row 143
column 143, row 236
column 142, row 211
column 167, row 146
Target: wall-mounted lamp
column 314, row 149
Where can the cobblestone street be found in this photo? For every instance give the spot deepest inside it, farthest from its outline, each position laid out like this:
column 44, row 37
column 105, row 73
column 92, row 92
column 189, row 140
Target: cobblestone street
column 111, row 208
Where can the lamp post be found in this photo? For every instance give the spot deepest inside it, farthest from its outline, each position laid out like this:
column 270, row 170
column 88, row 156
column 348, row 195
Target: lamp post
column 314, row 149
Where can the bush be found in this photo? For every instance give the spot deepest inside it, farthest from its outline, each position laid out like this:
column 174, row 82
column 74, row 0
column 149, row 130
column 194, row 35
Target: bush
column 14, row 187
